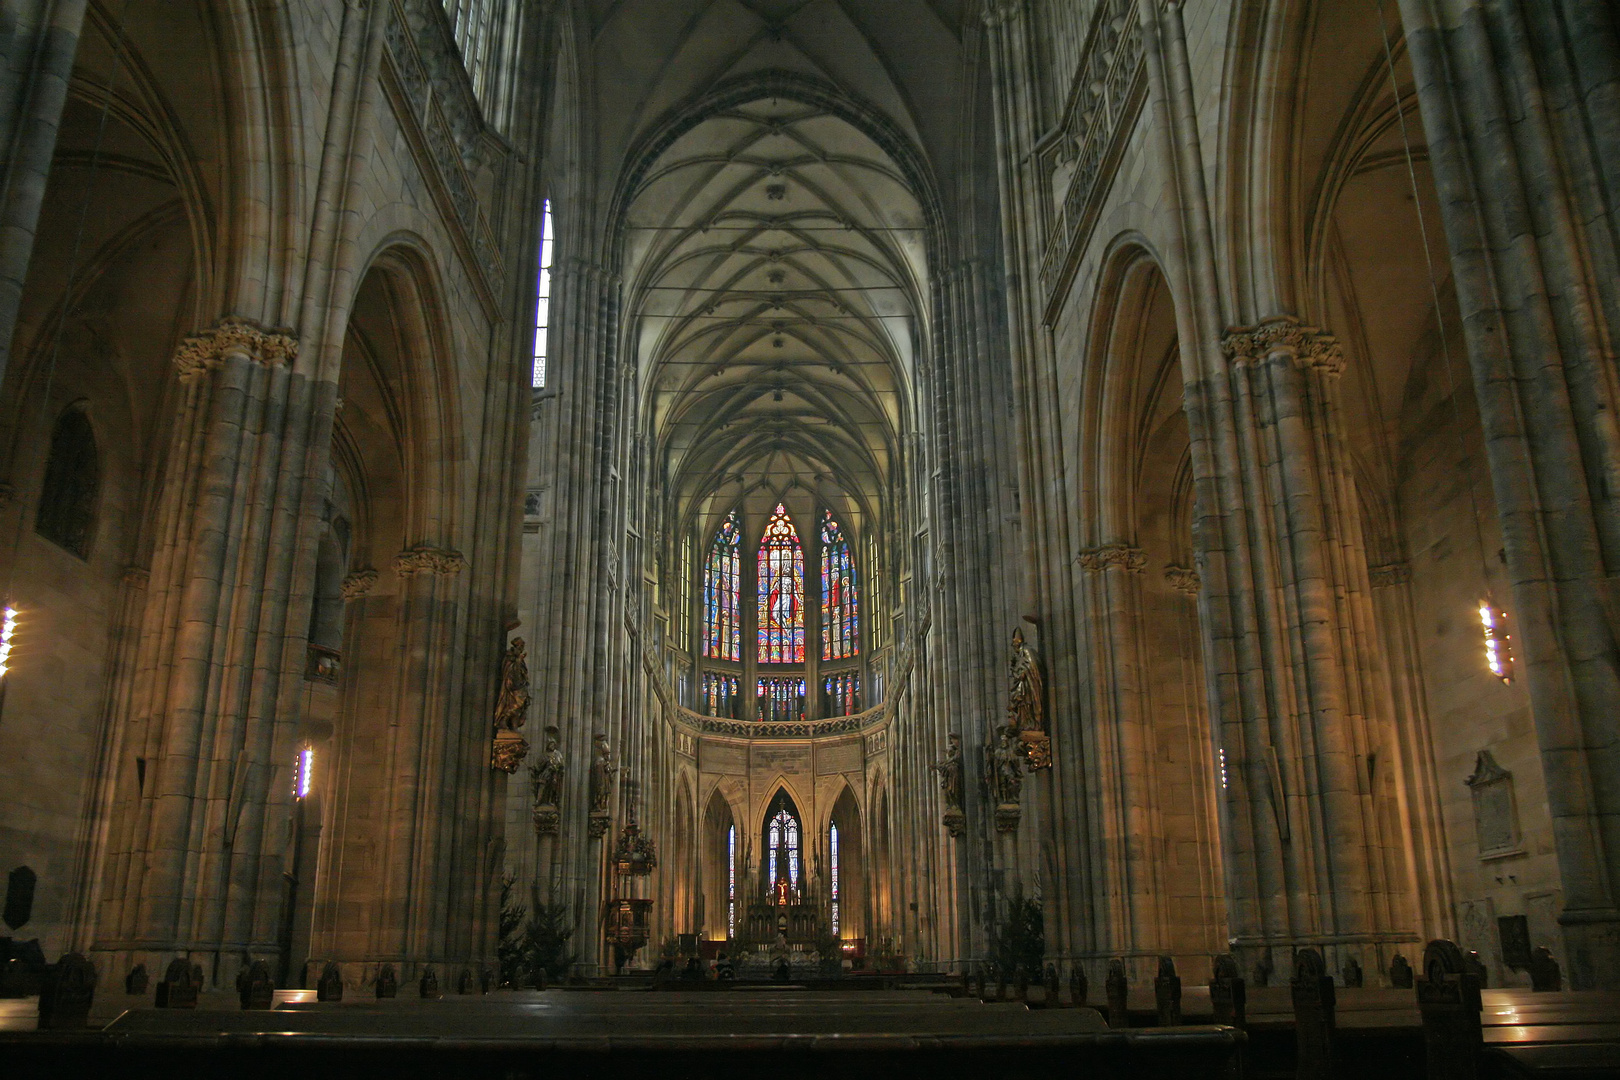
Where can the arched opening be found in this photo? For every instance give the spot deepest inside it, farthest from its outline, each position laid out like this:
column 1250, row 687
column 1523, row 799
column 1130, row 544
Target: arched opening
column 387, row 730
column 67, row 500
column 846, row 871
column 721, row 871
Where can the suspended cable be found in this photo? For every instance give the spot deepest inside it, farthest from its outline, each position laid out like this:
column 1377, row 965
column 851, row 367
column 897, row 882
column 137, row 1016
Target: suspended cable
column 1489, row 614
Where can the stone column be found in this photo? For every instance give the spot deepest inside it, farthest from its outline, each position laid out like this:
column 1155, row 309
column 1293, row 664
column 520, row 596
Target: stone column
column 194, row 859
column 38, row 41
column 1307, row 750
column 1119, row 753
column 1522, row 119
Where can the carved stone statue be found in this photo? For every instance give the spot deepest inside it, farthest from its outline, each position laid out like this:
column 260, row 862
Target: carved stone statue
column 512, row 707
column 950, row 784
column 950, row 771
column 547, row 777
column 602, row 770
column 1004, row 776
column 1026, row 702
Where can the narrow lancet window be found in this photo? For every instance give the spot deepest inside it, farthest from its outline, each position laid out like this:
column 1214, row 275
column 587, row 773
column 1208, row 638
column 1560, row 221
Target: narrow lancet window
column 722, row 626
column 67, row 503
column 542, row 307
column 781, row 592
column 832, row 847
column 839, row 605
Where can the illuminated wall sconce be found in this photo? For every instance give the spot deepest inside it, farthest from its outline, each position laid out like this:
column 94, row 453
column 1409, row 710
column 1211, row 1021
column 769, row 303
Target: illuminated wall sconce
column 1498, row 648
column 8, row 631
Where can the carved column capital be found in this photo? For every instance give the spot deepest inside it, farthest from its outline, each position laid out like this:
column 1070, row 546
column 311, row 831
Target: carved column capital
column 429, row 560
column 234, row 335
column 1132, row 559
column 1284, row 335
column 1183, row 579
column 358, row 583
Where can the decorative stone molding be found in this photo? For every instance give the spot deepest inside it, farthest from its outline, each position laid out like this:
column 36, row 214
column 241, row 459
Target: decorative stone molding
column 443, row 121
column 1387, row 575
column 1096, row 560
column 1107, row 94
column 429, row 560
column 137, row 577
column 205, row 352
column 1183, row 579
column 509, row 751
column 1309, row 347
column 358, row 583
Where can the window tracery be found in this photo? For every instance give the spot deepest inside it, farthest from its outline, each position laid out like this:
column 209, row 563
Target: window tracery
column 722, row 628
column 781, row 698
column 782, row 852
column 839, row 602
column 781, row 592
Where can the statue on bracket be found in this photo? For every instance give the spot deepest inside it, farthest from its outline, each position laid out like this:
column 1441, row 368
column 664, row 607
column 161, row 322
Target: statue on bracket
column 1026, row 703
column 547, row 778
column 602, row 770
column 1004, row 777
column 950, row 784
column 511, row 709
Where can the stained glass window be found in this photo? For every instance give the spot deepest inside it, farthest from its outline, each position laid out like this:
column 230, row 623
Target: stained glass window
column 833, row 850
column 782, row 847
column 731, row 882
column 839, row 608
column 781, row 592
column 719, row 694
column 843, row 693
column 722, row 627
column 542, row 308
column 781, row 698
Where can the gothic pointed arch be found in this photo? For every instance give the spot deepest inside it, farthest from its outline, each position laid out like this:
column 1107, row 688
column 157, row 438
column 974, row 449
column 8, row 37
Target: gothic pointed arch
column 781, row 591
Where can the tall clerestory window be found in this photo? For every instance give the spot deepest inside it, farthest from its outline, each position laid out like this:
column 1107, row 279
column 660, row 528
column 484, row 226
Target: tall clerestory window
column 722, row 623
column 542, row 306
column 840, row 635
column 731, row 882
column 486, row 33
column 781, row 592
column 832, row 848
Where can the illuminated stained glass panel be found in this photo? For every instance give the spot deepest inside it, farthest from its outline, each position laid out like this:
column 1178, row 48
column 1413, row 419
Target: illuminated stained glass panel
column 843, row 693
column 722, row 624
column 719, row 694
column 839, row 604
column 781, row 698
column 781, row 592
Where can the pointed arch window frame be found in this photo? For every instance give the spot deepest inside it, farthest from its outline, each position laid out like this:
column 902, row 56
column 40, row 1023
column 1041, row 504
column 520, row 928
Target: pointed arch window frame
column 780, row 561
column 722, row 592
column 840, row 593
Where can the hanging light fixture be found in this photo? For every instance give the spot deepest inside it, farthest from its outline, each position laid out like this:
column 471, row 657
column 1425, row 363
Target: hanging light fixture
column 8, row 631
column 1498, row 652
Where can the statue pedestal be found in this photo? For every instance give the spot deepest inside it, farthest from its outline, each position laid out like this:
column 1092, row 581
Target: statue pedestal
column 600, row 820
column 546, row 820
column 509, row 751
column 955, row 822
column 1007, row 817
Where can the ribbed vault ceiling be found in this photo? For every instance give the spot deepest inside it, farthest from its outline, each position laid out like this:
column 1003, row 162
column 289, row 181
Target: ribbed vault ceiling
column 777, row 279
